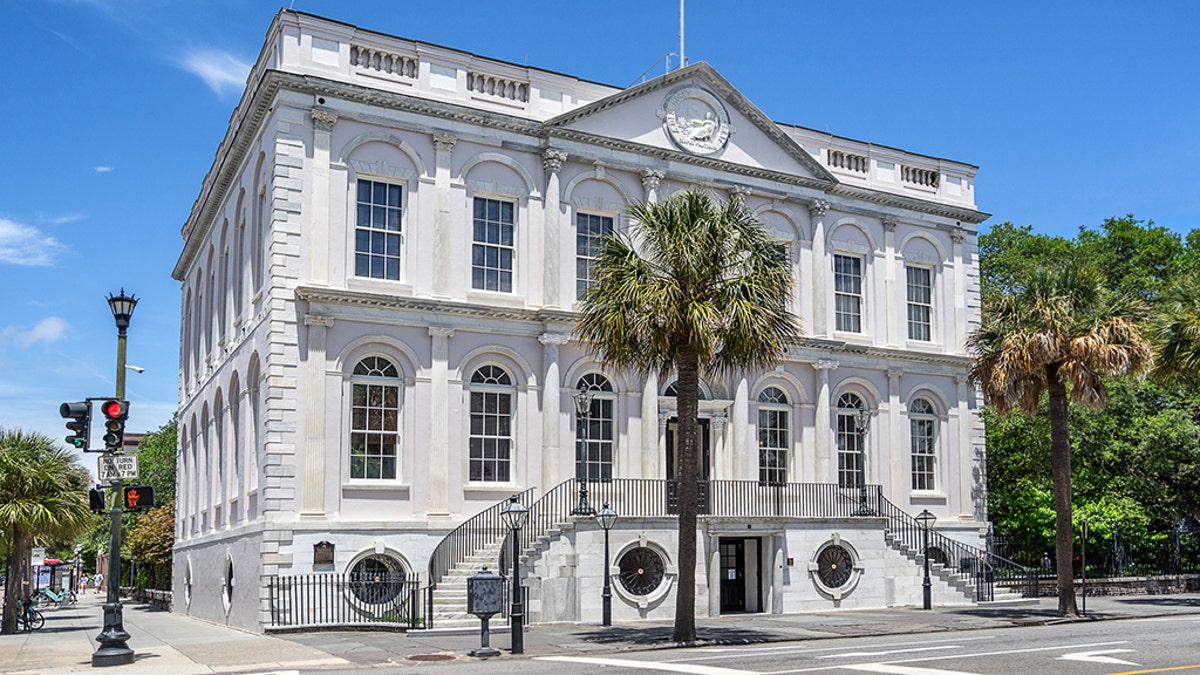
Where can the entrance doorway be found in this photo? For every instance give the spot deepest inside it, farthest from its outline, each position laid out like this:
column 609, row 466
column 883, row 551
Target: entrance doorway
column 741, row 583
column 705, row 458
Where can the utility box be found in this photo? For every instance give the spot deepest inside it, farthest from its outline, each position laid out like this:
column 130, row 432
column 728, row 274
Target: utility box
column 485, row 594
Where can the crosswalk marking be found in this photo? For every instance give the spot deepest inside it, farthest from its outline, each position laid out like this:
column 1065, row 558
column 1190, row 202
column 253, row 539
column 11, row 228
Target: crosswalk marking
column 688, row 668
column 903, row 670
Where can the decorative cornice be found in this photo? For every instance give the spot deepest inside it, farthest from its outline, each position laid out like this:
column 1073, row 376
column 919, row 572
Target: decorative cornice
column 555, row 339
column 825, row 364
column 324, row 119
column 318, row 320
column 552, row 160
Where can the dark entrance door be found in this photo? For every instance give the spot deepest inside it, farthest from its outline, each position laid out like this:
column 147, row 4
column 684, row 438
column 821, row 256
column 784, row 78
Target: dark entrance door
column 733, row 575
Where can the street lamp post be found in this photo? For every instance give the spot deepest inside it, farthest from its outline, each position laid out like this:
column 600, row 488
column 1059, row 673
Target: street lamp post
column 607, row 517
column 926, row 520
column 583, row 416
column 112, row 650
column 862, row 424
column 514, row 514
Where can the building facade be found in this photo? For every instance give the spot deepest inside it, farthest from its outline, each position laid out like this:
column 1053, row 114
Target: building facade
column 379, row 283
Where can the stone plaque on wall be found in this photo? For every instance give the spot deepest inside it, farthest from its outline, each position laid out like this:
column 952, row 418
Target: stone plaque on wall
column 323, row 553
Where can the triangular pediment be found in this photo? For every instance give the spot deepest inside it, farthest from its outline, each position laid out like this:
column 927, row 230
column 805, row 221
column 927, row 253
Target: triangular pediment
column 693, row 112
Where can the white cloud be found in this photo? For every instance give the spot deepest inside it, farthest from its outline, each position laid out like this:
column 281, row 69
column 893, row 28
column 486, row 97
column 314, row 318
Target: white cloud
column 219, row 70
column 103, row 169
column 25, row 245
column 50, row 329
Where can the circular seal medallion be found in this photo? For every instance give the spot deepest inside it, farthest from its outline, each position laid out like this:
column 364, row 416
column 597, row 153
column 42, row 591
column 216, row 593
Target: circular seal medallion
column 696, row 121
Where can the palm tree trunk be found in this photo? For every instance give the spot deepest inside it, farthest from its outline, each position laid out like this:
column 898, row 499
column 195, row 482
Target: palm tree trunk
column 1060, row 468
column 12, row 586
column 687, row 400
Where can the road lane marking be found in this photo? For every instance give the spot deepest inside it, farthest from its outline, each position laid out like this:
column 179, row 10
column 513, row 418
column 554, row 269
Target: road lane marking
column 947, row 657
column 1096, row 656
column 739, row 652
column 1159, row 670
column 689, row 669
column 854, row 655
column 903, row 670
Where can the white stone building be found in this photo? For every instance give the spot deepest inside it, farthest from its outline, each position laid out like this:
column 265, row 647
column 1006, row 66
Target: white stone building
column 379, row 281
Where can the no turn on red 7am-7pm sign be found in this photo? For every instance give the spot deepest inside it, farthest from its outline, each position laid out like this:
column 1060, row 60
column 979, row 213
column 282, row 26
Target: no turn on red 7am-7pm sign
column 116, row 467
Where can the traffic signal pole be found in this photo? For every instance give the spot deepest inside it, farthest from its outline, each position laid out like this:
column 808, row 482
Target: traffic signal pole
column 112, row 650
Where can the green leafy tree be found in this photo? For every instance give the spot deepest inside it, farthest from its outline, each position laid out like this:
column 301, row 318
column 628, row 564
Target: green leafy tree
column 1056, row 333
column 156, row 453
column 696, row 285
column 43, row 497
column 152, row 538
column 1175, row 332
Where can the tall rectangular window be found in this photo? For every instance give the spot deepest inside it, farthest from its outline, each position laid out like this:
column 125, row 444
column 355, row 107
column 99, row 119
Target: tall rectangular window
column 377, row 230
column 589, row 230
column 773, row 436
column 848, row 292
column 492, row 250
column 920, row 303
column 491, row 438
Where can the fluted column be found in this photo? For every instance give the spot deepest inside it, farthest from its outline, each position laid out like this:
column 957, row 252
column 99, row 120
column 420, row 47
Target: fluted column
column 318, row 262
column 958, row 236
column 898, row 468
column 439, row 422
column 551, row 400
column 820, row 268
column 650, row 181
column 552, row 161
column 313, row 504
column 890, row 308
column 443, row 145
column 650, row 427
column 722, row 464
column 822, row 425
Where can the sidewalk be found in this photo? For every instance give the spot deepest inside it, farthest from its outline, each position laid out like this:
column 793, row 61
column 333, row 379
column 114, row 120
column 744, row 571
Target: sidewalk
column 171, row 643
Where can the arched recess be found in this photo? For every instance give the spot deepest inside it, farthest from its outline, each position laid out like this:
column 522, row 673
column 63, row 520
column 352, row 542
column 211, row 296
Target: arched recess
column 587, row 364
column 254, row 435
column 390, row 139
column 501, row 355
column 940, row 401
column 783, row 214
column 237, row 275
column 183, row 488
column 860, row 386
column 223, row 284
column 259, row 229
column 405, row 357
column 850, row 231
column 569, row 190
column 530, row 186
column 789, row 383
column 219, row 413
column 193, row 478
column 205, row 464
column 942, row 255
column 235, row 436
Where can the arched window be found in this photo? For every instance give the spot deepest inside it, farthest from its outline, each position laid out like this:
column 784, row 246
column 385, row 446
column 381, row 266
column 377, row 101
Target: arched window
column 595, row 429
column 673, row 390
column 491, row 425
column 851, row 440
column 774, row 437
column 922, row 423
column 374, row 419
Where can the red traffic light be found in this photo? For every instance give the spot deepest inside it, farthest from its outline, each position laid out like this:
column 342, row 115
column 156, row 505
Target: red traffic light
column 139, row 496
column 115, row 410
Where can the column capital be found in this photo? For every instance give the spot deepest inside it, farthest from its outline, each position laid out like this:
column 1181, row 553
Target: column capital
column 889, row 224
column 958, row 234
column 554, row 338
column 739, row 192
column 552, row 160
column 318, row 320
column 323, row 119
column 818, row 207
column 440, row 331
column 651, row 178
column 719, row 420
column 825, row 364
column 444, row 143
column 894, row 373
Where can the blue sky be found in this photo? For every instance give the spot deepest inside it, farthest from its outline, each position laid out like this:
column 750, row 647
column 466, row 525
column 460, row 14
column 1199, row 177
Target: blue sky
column 1075, row 111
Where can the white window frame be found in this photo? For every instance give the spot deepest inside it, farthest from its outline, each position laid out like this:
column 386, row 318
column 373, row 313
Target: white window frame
column 383, row 381
column 923, row 445
column 917, row 305
column 503, row 442
column 371, row 230
column 851, row 441
column 485, row 245
column 854, row 319
column 601, row 431
column 588, row 261
column 773, row 406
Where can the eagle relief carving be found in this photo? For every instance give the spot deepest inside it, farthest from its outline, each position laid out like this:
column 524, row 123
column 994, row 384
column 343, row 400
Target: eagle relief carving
column 696, row 121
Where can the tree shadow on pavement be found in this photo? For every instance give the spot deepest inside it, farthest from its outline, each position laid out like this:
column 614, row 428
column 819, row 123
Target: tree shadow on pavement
column 661, row 636
column 1158, row 600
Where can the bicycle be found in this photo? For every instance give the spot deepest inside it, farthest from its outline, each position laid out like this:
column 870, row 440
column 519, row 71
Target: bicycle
column 64, row 598
column 29, row 618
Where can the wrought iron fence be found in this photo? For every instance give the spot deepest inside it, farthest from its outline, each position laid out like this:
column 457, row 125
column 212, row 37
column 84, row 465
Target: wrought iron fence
column 326, row 599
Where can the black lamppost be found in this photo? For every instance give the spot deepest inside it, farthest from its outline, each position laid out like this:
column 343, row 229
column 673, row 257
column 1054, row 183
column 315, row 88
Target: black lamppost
column 607, row 518
column 112, row 650
column 862, row 424
column 514, row 514
column 926, row 520
column 583, row 418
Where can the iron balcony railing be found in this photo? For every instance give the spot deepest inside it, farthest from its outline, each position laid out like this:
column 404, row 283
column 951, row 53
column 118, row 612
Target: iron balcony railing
column 326, row 599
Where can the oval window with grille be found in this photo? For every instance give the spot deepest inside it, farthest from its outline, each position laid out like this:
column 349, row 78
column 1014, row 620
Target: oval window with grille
column 641, row 570
column 834, row 566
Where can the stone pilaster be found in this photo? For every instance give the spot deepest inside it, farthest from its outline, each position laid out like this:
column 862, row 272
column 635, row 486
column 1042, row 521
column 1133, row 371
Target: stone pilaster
column 745, row 455
column 551, row 401
column 650, row 431
column 439, row 422
column 443, row 145
column 313, row 504
column 820, row 267
column 890, row 308
column 822, row 425
column 651, row 178
column 318, row 263
column 898, row 468
column 958, row 236
column 552, row 161
column 964, row 454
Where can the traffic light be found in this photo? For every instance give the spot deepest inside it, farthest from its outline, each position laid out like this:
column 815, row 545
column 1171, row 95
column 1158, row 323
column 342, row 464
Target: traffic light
column 80, row 426
column 115, row 413
column 96, row 499
column 139, row 497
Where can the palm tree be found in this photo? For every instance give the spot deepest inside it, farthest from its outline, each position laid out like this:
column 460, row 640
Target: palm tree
column 1061, row 333
column 1175, row 333
column 43, row 495
column 696, row 284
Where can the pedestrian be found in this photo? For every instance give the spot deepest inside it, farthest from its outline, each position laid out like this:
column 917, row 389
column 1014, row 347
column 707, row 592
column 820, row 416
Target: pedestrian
column 98, row 580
